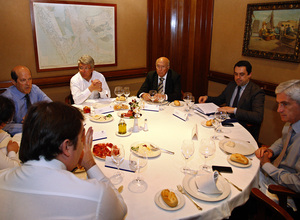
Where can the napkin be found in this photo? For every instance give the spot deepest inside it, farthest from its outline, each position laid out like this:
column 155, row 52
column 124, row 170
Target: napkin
column 180, row 114
column 103, row 110
column 98, row 135
column 206, row 182
column 123, row 166
column 148, row 107
column 195, row 133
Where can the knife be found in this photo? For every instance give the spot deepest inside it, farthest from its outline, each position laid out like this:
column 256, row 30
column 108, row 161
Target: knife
column 158, row 148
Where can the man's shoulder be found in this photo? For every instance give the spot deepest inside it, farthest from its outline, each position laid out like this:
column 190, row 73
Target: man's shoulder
column 97, row 75
column 76, row 77
column 11, row 92
column 254, row 87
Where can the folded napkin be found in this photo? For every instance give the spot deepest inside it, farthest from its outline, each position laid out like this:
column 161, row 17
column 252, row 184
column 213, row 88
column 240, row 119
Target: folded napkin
column 180, row 114
column 98, row 135
column 103, row 110
column 195, row 132
column 149, row 107
column 206, row 182
column 123, row 166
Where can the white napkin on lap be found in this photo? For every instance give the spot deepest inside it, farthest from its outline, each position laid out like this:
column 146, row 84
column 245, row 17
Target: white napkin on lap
column 206, row 182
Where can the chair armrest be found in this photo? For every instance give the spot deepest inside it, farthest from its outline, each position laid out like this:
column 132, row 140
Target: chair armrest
column 282, row 190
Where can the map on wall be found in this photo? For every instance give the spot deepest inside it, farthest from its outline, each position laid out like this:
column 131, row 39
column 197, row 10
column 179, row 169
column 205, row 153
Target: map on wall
column 65, row 32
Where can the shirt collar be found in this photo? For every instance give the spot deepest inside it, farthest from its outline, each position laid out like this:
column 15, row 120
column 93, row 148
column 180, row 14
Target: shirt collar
column 296, row 126
column 54, row 163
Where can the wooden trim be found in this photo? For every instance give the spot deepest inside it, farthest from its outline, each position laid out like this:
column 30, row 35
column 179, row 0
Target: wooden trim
column 225, row 78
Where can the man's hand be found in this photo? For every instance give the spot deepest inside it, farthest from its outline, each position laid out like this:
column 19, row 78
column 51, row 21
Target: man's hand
column 96, row 85
column 87, row 160
column 264, row 154
column 12, row 146
column 202, row 99
column 227, row 109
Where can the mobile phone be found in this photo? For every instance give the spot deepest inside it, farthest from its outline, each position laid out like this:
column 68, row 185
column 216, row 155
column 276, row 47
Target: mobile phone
column 222, row 169
column 227, row 124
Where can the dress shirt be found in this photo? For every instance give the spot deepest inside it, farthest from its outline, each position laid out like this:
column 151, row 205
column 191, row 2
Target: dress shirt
column 46, row 190
column 7, row 159
column 288, row 171
column 35, row 95
column 80, row 88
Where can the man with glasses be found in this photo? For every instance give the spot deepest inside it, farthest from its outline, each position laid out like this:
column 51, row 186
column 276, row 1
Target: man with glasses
column 88, row 83
column 24, row 94
column 164, row 80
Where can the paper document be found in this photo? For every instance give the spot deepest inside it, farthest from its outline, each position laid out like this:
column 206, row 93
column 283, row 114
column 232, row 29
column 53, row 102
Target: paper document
column 206, row 108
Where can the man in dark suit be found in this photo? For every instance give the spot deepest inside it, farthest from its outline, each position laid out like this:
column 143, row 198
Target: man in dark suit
column 244, row 99
column 170, row 82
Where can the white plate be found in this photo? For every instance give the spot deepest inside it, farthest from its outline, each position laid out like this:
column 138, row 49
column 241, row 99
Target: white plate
column 157, row 103
column 238, row 164
column 150, row 153
column 189, row 185
column 241, row 147
column 160, row 202
column 122, row 107
column 101, row 119
column 203, row 123
column 101, row 158
column 123, row 135
column 119, row 114
column 181, row 104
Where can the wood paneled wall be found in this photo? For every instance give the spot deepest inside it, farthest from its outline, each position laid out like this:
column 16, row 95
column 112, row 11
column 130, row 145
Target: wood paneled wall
column 181, row 30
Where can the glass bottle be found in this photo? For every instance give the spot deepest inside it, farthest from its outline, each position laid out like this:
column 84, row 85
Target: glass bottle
column 122, row 126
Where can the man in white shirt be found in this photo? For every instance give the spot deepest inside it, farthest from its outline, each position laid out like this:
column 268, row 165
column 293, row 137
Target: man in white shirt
column 88, row 83
column 53, row 143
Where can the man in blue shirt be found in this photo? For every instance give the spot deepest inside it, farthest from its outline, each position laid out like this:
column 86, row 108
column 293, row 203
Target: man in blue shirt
column 23, row 93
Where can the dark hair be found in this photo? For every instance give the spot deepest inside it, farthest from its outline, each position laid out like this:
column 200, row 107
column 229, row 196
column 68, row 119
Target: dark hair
column 7, row 109
column 14, row 75
column 244, row 63
column 46, row 126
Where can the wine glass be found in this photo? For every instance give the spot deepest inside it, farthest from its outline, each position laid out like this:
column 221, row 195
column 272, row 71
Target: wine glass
column 118, row 91
column 221, row 116
column 191, row 102
column 136, row 163
column 207, row 148
column 161, row 99
column 152, row 94
column 187, row 98
column 187, row 150
column 117, row 155
column 126, row 91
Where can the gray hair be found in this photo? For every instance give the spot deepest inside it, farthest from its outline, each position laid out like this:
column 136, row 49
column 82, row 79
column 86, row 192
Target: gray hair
column 87, row 60
column 291, row 88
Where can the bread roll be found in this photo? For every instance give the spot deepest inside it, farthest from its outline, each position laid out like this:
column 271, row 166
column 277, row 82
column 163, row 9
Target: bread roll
column 177, row 103
column 169, row 198
column 208, row 123
column 239, row 158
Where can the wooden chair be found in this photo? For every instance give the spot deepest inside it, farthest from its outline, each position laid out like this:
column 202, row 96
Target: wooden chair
column 69, row 99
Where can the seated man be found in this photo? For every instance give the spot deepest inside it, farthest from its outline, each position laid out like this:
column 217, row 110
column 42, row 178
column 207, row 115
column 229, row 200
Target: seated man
column 244, row 99
column 53, row 143
column 23, row 93
column 8, row 147
column 285, row 169
column 88, row 83
column 169, row 79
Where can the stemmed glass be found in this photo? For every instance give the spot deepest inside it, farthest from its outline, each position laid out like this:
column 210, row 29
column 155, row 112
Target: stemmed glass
column 221, row 116
column 117, row 155
column 187, row 98
column 152, row 94
column 207, row 148
column 187, row 150
column 126, row 91
column 191, row 102
column 161, row 99
column 118, row 91
column 136, row 163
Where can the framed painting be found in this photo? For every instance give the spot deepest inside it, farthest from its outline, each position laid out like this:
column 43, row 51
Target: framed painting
column 64, row 31
column 272, row 31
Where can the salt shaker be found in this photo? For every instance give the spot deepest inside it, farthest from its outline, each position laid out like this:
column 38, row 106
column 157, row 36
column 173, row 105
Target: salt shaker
column 145, row 125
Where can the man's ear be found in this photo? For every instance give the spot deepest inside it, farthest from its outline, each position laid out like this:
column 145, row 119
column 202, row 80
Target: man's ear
column 66, row 147
column 13, row 82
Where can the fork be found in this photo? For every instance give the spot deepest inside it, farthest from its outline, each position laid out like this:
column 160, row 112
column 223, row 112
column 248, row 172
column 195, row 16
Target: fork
column 238, row 188
column 157, row 148
column 179, row 187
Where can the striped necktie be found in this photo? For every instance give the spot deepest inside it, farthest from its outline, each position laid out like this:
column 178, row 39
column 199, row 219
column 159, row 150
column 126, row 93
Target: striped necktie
column 161, row 85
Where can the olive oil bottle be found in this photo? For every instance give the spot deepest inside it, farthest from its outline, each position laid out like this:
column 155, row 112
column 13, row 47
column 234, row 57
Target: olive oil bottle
column 122, row 126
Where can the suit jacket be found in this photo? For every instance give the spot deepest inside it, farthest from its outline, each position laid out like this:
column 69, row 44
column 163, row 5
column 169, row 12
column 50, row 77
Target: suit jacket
column 250, row 108
column 172, row 87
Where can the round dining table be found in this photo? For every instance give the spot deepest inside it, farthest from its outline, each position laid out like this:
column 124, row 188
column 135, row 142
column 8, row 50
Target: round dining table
column 167, row 131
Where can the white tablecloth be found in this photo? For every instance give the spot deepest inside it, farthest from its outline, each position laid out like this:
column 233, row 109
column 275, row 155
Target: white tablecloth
column 168, row 131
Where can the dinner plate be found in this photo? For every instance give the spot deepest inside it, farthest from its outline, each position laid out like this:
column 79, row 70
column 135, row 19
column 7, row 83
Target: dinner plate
column 160, row 202
column 189, row 185
column 101, row 158
column 181, row 104
column 124, row 135
column 101, row 118
column 119, row 107
column 203, row 123
column 241, row 147
column 239, row 164
column 150, row 153
column 119, row 114
column 157, row 103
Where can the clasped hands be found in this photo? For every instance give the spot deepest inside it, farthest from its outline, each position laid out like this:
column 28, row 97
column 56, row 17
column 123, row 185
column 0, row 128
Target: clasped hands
column 96, row 85
column 264, row 154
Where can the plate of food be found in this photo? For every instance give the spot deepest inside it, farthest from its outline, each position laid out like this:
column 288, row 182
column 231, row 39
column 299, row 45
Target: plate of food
column 149, row 148
column 208, row 123
column 101, row 150
column 129, row 114
column 239, row 160
column 120, row 99
column 177, row 103
column 170, row 200
column 121, row 106
column 157, row 103
column 79, row 169
column 101, row 118
column 190, row 186
column 236, row 146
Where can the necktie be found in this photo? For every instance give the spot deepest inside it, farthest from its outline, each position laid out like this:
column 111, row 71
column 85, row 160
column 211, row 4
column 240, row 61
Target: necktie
column 28, row 103
column 161, row 86
column 236, row 99
column 277, row 161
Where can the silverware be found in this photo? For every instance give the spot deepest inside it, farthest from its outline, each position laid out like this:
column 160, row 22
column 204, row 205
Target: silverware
column 179, row 187
column 238, row 188
column 158, row 148
column 230, row 138
column 120, row 189
column 201, row 115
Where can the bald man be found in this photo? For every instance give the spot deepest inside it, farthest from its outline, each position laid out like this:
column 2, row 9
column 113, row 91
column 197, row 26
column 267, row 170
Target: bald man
column 171, row 85
column 23, row 94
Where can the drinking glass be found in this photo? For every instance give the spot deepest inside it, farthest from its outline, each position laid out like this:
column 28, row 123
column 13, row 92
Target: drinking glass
column 221, row 116
column 152, row 94
column 187, row 96
column 126, row 91
column 207, row 148
column 117, row 155
column 187, row 150
column 136, row 163
column 191, row 102
column 161, row 99
column 118, row 91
